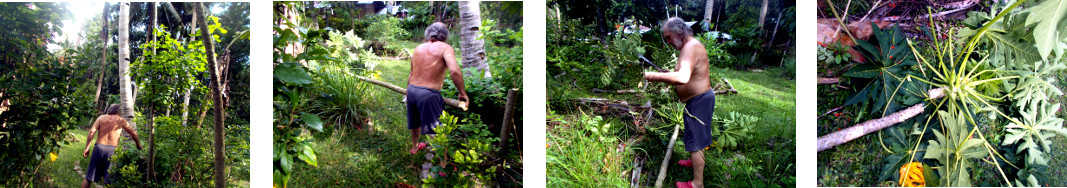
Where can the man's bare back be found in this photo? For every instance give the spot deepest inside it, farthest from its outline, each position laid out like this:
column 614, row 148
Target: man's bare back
column 429, row 62
column 110, row 128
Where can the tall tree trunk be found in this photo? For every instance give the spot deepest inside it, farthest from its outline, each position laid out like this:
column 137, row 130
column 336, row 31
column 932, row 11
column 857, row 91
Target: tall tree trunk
column 709, row 9
column 473, row 49
column 103, row 62
column 125, row 89
column 151, row 114
column 185, row 106
column 209, row 45
column 762, row 14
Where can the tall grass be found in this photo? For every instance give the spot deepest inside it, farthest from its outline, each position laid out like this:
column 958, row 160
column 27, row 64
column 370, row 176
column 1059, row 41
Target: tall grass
column 583, row 154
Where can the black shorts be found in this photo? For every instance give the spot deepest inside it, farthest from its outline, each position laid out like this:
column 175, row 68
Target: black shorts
column 697, row 134
column 99, row 162
column 424, row 108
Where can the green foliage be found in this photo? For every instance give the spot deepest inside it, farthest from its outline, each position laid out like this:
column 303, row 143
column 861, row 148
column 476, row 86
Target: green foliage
column 173, row 66
column 733, row 129
column 292, row 117
column 465, row 147
column 887, row 66
column 578, row 155
column 383, row 32
column 1039, row 125
column 955, row 149
column 187, row 156
column 717, row 55
column 834, row 54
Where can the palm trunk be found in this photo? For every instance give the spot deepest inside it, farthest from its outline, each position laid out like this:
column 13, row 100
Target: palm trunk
column 762, row 14
column 103, row 62
column 844, row 135
column 185, row 106
column 209, row 45
column 125, row 89
column 473, row 49
column 709, row 9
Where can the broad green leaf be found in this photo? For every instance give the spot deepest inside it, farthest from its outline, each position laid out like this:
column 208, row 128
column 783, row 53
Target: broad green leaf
column 1047, row 16
column 308, row 156
column 287, row 163
column 292, row 73
column 312, row 121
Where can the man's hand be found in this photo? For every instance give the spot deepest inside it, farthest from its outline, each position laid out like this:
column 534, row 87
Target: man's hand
column 463, row 97
column 86, row 153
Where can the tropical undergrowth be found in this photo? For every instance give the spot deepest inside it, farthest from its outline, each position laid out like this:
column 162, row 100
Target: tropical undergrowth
column 995, row 123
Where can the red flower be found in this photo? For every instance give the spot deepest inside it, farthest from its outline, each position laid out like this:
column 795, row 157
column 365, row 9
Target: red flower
column 441, row 173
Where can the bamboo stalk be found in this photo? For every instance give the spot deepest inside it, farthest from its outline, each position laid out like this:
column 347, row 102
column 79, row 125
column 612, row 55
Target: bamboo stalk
column 448, row 101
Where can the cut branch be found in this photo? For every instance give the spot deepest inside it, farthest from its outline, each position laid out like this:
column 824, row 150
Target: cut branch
column 828, row 80
column 448, row 101
column 666, row 159
column 844, row 135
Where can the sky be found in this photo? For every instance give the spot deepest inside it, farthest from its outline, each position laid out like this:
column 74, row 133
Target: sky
column 83, row 11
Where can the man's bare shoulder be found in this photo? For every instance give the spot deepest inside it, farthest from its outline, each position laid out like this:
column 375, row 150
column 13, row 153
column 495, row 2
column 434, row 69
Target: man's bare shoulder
column 435, row 48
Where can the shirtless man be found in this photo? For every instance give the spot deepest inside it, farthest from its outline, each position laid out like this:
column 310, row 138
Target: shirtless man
column 110, row 126
column 428, row 65
column 691, row 85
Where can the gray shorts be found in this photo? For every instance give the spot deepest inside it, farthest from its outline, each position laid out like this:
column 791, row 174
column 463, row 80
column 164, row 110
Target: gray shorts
column 424, row 108
column 697, row 135
column 99, row 162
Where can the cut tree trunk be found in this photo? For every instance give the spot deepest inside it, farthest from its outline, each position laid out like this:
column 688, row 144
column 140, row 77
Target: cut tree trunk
column 125, row 88
column 471, row 46
column 220, row 132
column 398, row 89
column 844, row 135
column 509, row 112
column 666, row 159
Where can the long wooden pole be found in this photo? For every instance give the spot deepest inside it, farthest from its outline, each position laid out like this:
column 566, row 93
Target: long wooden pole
column 666, row 159
column 844, row 135
column 509, row 112
column 398, row 89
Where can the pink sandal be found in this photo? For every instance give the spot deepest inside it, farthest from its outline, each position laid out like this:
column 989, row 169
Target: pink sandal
column 688, row 184
column 686, row 163
column 421, row 145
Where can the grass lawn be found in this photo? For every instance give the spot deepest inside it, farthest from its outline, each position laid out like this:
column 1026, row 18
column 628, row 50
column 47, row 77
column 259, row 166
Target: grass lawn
column 767, row 158
column 376, row 156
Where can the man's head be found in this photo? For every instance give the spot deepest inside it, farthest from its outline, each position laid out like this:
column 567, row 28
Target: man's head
column 675, row 32
column 436, row 32
column 113, row 109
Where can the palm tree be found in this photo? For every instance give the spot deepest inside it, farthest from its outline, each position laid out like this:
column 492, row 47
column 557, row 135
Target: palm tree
column 709, row 8
column 209, row 46
column 473, row 48
column 125, row 88
column 103, row 60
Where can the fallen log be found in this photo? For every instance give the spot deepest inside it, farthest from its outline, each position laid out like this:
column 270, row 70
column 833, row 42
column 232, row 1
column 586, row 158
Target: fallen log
column 828, row 80
column 448, row 101
column 844, row 135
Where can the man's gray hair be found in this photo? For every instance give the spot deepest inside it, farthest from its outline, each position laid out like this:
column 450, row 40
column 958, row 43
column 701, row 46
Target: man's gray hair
column 677, row 26
column 113, row 109
column 437, row 32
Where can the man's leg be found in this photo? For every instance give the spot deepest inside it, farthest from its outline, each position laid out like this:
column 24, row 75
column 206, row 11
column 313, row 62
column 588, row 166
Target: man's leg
column 415, row 140
column 698, row 167
column 85, row 183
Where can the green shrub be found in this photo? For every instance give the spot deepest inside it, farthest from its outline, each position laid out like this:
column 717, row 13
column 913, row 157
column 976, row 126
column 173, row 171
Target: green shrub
column 463, row 148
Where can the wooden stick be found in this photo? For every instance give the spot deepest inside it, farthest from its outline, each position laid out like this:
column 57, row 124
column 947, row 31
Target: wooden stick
column 828, row 80
column 844, row 135
column 509, row 111
column 666, row 159
column 448, row 101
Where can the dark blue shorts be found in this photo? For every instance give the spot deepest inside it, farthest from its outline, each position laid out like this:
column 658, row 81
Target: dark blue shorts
column 99, row 162
column 424, row 108
column 697, row 135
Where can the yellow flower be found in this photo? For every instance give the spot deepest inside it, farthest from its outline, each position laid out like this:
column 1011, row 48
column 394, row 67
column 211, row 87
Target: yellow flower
column 911, row 175
column 53, row 155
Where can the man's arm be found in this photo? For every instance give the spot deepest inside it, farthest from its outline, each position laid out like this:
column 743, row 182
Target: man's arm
column 455, row 73
column 133, row 133
column 679, row 77
column 89, row 140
